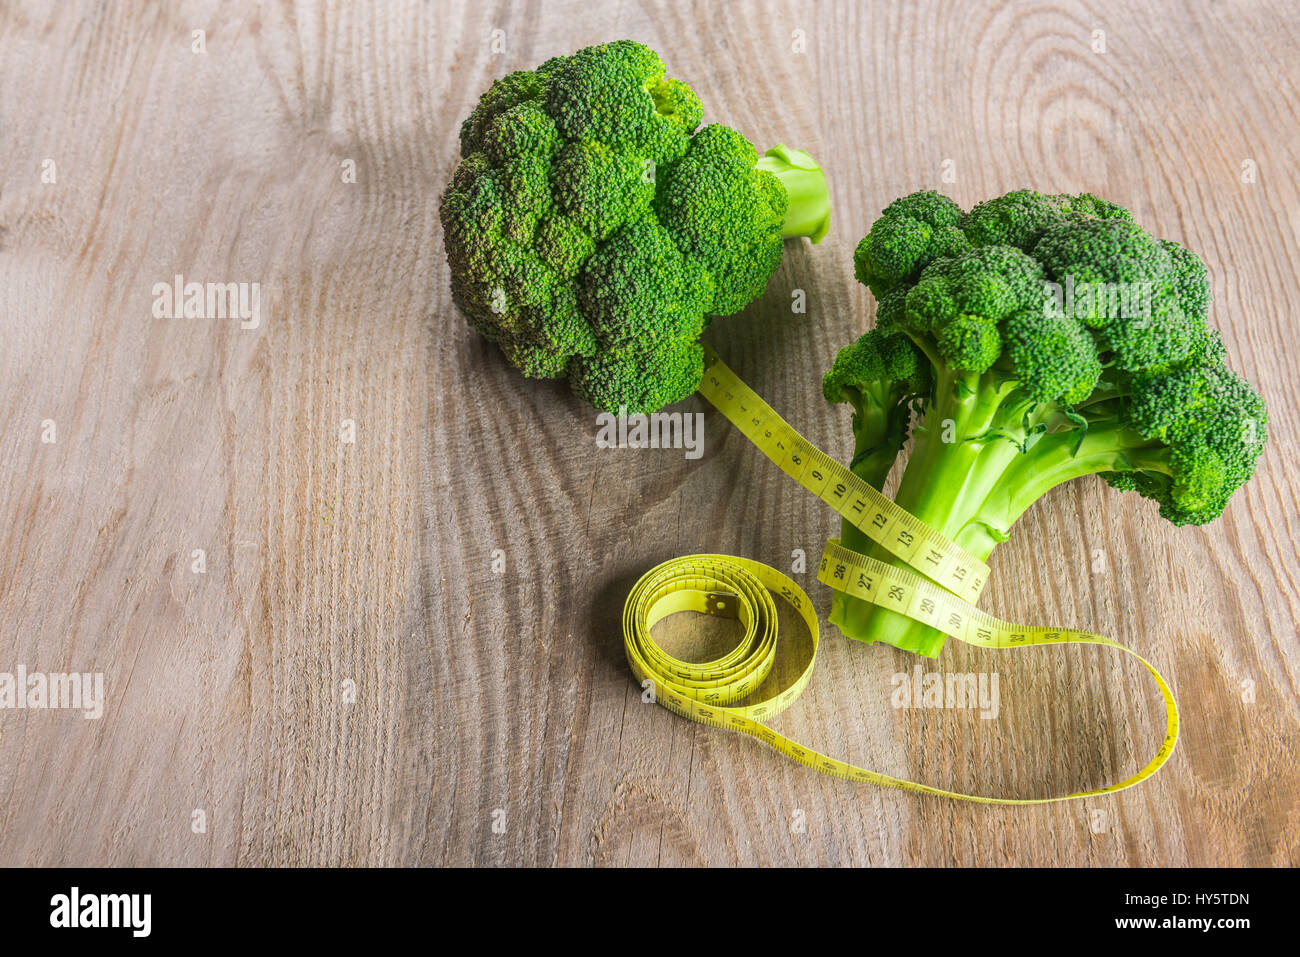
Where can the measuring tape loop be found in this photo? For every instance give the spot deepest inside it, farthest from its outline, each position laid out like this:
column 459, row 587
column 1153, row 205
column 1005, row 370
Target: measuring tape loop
column 940, row 592
column 718, row 585
column 893, row 528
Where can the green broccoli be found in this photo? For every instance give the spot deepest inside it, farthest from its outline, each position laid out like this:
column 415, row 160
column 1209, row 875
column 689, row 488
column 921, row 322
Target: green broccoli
column 593, row 230
column 1039, row 338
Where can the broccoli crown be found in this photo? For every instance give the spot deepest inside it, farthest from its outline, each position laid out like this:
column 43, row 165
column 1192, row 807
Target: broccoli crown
column 1069, row 304
column 593, row 229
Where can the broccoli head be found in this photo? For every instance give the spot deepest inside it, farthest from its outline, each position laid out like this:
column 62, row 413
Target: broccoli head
column 1057, row 339
column 593, row 228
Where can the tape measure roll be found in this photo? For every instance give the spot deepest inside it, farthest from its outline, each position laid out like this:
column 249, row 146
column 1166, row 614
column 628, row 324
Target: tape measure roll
column 713, row 692
column 727, row 587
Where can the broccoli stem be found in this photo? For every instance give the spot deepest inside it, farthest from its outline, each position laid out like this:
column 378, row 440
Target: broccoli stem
column 962, row 409
column 973, row 471
column 809, row 211
column 879, row 430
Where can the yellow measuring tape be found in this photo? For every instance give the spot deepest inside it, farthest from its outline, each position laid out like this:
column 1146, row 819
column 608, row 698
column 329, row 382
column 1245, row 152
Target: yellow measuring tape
column 711, row 692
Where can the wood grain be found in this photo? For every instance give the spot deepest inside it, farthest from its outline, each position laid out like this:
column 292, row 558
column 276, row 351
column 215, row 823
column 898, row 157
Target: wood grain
column 485, row 696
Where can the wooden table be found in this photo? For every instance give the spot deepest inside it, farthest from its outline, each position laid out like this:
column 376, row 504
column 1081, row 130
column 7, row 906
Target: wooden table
column 277, row 543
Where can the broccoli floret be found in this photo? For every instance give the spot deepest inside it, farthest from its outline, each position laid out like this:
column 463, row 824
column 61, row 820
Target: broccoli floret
column 877, row 374
column 1055, row 339
column 639, row 289
column 725, row 213
column 910, row 234
column 593, row 229
column 634, row 380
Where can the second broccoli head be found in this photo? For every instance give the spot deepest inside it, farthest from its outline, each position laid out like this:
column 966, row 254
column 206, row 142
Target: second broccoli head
column 1039, row 338
column 593, row 229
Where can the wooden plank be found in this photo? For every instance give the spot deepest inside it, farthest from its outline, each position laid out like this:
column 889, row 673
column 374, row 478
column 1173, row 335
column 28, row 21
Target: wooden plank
column 349, row 680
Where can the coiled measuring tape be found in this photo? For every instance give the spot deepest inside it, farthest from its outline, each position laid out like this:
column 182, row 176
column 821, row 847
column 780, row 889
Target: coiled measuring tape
column 714, row 692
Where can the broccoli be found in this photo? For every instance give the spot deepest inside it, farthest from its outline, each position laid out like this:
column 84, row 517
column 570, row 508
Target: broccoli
column 593, row 229
column 1038, row 338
